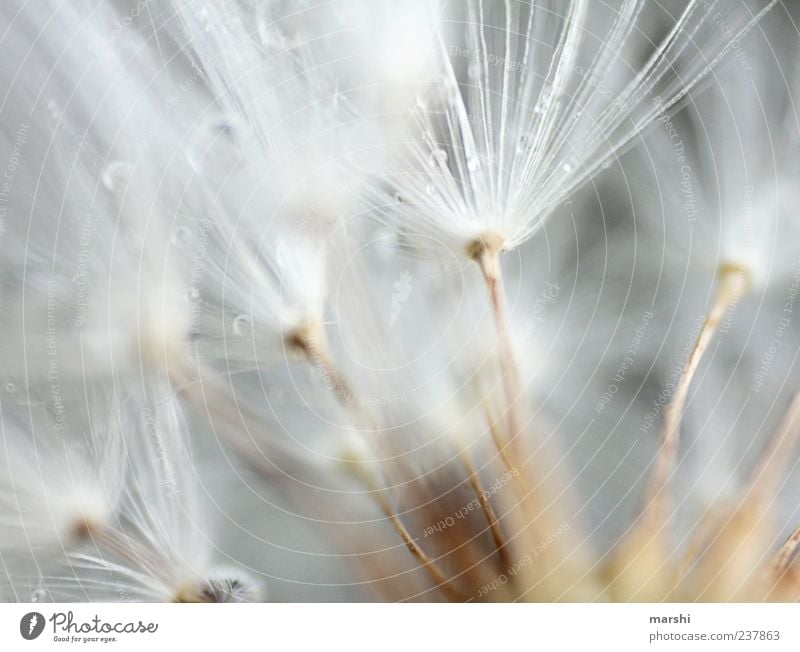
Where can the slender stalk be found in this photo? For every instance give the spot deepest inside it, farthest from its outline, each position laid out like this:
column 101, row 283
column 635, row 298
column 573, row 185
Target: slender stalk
column 698, row 541
column 642, row 570
column 367, row 478
column 488, row 511
column 436, row 573
column 732, row 283
column 784, row 556
column 771, row 468
column 504, row 455
column 311, row 344
column 739, row 541
column 485, row 251
column 314, row 349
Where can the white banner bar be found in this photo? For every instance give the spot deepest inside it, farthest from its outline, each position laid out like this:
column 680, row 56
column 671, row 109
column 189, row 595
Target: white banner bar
column 398, row 627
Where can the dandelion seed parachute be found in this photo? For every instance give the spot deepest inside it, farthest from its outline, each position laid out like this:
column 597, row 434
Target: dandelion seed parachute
column 80, row 235
column 159, row 546
column 266, row 179
column 545, row 104
column 735, row 246
column 62, row 470
column 733, row 174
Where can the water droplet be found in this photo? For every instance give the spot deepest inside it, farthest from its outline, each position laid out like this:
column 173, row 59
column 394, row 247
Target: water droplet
column 276, row 395
column 38, row 595
column 422, row 103
column 568, row 167
column 607, row 164
column 274, row 27
column 438, row 158
column 452, row 94
column 117, row 175
column 192, row 294
column 386, row 243
column 524, row 144
column 216, row 145
column 242, row 325
column 282, row 256
column 474, row 70
column 544, row 100
column 429, row 189
column 181, row 236
column 226, row 129
column 53, row 108
column 19, row 393
column 473, row 163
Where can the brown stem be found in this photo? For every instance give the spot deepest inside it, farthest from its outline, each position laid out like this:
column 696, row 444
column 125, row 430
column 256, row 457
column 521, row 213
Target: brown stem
column 502, row 450
column 436, row 573
column 488, row 511
column 784, row 556
column 311, row 344
column 764, row 480
column 363, row 474
column 317, row 354
column 485, row 251
column 741, row 537
column 732, row 283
